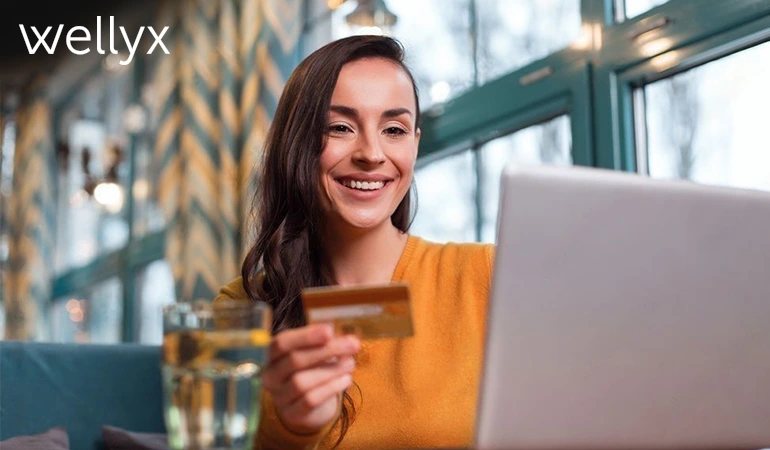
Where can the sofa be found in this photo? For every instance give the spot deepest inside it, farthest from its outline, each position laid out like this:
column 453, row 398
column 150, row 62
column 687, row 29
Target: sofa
column 81, row 387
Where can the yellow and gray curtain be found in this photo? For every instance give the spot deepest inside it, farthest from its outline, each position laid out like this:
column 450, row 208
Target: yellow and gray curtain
column 30, row 217
column 216, row 94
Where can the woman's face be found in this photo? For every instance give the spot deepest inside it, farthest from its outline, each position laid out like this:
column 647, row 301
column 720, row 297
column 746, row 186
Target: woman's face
column 371, row 146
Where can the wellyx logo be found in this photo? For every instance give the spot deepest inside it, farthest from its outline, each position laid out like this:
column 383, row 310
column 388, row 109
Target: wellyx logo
column 86, row 37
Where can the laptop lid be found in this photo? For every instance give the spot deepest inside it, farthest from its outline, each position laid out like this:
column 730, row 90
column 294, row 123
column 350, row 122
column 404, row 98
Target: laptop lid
column 627, row 313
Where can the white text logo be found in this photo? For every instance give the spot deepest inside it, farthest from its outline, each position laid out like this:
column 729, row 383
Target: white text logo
column 85, row 36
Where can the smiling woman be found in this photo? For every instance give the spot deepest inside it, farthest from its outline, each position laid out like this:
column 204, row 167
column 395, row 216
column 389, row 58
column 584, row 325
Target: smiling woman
column 368, row 161
column 334, row 208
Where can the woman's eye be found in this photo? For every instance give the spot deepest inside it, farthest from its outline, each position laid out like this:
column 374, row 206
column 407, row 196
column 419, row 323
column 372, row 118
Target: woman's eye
column 395, row 131
column 339, row 129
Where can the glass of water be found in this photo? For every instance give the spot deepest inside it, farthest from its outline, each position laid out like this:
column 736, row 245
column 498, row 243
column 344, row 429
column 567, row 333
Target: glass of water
column 213, row 355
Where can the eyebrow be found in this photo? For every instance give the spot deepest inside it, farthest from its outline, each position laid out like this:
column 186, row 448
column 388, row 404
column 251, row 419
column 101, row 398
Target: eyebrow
column 388, row 114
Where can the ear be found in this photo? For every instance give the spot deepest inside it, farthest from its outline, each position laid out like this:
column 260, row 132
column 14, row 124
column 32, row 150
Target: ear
column 417, row 135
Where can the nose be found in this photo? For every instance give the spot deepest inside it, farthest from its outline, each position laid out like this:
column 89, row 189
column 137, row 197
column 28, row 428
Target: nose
column 368, row 151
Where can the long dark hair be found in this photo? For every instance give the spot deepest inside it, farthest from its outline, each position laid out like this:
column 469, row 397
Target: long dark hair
column 287, row 254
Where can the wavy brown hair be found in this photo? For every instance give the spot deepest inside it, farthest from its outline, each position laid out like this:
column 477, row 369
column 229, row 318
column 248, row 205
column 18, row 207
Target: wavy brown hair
column 288, row 252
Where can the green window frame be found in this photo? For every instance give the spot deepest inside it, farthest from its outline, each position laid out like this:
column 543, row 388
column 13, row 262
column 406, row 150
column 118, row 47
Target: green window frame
column 700, row 30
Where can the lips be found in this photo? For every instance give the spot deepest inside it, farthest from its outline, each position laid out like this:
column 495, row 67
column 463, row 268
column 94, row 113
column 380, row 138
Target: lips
column 364, row 182
column 368, row 177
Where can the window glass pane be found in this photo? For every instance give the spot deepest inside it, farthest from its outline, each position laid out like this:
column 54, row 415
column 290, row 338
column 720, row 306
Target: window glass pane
column 7, row 149
column 95, row 317
column 513, row 33
column 155, row 289
column 437, row 38
column 93, row 172
column 67, row 316
column 546, row 143
column 105, row 312
column 148, row 216
column 318, row 27
column 2, row 317
column 709, row 124
column 635, row 7
column 446, row 205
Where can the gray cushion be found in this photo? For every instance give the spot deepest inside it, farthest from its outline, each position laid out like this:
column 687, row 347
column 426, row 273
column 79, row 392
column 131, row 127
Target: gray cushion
column 53, row 439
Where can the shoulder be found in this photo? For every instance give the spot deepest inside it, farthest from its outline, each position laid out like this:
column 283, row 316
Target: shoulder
column 232, row 291
column 458, row 273
column 456, row 260
column 454, row 254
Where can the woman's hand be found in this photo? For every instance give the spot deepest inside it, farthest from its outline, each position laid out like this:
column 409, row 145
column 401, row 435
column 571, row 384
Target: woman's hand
column 308, row 370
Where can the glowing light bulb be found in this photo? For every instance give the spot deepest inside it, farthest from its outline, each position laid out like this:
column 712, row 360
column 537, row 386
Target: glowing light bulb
column 440, row 91
column 110, row 195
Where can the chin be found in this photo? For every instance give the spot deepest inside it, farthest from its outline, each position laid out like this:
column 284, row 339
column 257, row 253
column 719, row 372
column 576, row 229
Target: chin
column 364, row 222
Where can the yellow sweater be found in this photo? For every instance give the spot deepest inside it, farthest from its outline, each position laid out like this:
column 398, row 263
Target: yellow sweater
column 420, row 391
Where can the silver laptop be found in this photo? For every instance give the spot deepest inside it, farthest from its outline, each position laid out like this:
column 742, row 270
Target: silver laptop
column 627, row 313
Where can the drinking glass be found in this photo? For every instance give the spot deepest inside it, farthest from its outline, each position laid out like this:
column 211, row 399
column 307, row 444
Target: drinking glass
column 213, row 356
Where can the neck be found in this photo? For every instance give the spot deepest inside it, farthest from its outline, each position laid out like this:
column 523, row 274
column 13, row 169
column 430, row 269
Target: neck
column 364, row 257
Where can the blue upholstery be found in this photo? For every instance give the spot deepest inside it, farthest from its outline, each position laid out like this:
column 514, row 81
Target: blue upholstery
column 81, row 387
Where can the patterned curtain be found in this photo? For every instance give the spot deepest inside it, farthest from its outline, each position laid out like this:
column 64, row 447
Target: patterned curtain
column 31, row 217
column 216, row 92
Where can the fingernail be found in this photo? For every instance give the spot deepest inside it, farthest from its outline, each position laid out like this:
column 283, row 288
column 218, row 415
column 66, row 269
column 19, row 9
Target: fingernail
column 326, row 330
column 353, row 343
column 347, row 378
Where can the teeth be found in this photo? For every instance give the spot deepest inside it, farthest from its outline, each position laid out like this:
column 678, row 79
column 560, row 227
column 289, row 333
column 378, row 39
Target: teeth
column 365, row 185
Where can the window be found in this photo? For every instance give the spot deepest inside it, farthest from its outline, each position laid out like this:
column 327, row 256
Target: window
column 709, row 124
column 437, row 37
column 545, row 143
column 66, row 320
column 513, row 33
column 7, row 147
column 109, row 245
column 633, row 8
column 93, row 172
column 147, row 215
column 155, row 289
column 446, row 205
column 93, row 316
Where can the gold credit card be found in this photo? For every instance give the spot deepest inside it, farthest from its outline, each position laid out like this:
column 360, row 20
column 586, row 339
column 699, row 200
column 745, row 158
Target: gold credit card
column 370, row 312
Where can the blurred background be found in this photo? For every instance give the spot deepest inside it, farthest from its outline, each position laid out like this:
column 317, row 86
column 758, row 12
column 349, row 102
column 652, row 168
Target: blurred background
column 126, row 187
